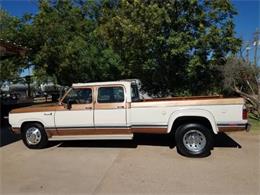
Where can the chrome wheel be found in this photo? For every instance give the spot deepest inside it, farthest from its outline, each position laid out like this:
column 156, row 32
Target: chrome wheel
column 33, row 136
column 194, row 140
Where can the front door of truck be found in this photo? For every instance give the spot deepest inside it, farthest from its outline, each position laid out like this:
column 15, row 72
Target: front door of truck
column 110, row 108
column 76, row 114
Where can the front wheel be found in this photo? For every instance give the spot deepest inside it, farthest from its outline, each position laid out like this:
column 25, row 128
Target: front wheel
column 34, row 136
column 194, row 140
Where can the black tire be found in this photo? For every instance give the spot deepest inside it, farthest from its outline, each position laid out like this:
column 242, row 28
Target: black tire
column 198, row 147
column 42, row 142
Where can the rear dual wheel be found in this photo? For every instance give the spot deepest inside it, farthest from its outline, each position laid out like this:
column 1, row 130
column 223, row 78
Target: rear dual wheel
column 194, row 140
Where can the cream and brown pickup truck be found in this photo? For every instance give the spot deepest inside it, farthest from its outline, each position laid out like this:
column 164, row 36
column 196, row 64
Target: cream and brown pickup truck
column 114, row 110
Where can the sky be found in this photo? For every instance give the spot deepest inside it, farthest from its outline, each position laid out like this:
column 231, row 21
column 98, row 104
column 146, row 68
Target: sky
column 246, row 22
column 248, row 18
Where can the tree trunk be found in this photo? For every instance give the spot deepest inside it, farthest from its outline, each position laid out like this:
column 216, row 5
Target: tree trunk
column 251, row 99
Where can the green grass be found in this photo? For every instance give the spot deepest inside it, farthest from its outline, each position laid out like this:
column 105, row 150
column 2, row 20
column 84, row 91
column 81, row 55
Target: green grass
column 255, row 124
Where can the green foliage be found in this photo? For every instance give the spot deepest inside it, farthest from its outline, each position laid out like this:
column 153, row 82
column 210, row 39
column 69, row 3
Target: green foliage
column 10, row 68
column 241, row 74
column 255, row 124
column 9, row 26
column 242, row 77
column 174, row 47
column 65, row 44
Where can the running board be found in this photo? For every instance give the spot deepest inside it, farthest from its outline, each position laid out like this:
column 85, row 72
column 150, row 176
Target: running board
column 91, row 137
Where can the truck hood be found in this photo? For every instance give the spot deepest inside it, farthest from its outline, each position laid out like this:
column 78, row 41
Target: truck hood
column 36, row 108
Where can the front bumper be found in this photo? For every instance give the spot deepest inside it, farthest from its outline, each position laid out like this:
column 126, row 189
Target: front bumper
column 15, row 130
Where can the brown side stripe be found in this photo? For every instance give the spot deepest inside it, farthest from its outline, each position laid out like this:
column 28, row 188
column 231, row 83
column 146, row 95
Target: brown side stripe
column 100, row 131
column 228, row 129
column 157, row 130
column 87, row 131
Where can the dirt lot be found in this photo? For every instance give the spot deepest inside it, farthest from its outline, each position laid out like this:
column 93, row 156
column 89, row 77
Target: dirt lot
column 145, row 165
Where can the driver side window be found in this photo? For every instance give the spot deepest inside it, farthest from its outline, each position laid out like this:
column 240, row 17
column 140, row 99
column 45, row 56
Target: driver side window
column 79, row 96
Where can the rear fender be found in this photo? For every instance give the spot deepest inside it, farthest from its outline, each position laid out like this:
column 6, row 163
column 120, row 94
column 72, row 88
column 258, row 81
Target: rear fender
column 192, row 113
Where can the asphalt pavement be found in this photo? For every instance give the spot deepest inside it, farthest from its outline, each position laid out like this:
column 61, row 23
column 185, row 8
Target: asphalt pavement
column 149, row 164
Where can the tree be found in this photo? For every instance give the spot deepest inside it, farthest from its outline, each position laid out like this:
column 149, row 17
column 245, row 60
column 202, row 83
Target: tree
column 66, row 47
column 10, row 67
column 174, row 47
column 243, row 77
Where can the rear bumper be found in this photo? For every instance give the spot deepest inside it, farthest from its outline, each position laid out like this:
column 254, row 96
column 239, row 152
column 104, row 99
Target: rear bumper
column 248, row 127
column 234, row 127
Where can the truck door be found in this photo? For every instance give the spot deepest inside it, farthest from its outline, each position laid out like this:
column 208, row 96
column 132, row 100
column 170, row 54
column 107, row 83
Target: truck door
column 110, row 107
column 79, row 116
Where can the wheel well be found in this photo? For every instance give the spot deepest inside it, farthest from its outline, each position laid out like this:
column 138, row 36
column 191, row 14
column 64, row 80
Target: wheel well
column 190, row 119
column 30, row 122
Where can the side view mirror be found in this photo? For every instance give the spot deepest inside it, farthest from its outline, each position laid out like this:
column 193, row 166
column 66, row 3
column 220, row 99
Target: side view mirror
column 69, row 104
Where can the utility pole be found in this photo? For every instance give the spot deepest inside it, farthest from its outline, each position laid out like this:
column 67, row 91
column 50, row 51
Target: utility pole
column 247, row 50
column 256, row 43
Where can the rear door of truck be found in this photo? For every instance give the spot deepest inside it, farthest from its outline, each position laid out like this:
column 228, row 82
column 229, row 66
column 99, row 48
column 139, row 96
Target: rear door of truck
column 110, row 108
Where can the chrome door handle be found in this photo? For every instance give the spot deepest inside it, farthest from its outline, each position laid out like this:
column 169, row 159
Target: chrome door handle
column 88, row 108
column 120, row 107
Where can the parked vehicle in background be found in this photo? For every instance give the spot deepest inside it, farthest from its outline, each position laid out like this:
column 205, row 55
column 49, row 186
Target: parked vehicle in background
column 114, row 110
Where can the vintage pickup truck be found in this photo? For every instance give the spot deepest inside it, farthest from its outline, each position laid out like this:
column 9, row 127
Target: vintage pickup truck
column 114, row 110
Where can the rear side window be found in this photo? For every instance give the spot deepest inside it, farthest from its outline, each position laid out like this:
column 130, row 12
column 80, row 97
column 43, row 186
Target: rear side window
column 135, row 93
column 110, row 94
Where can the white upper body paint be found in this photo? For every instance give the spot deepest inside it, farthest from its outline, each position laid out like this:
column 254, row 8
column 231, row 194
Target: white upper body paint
column 162, row 113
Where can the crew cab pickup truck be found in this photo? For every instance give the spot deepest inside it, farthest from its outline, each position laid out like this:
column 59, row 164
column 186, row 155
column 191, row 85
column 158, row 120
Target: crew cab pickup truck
column 114, row 110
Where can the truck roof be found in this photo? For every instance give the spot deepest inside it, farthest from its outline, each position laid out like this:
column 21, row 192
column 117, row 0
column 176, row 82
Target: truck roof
column 101, row 83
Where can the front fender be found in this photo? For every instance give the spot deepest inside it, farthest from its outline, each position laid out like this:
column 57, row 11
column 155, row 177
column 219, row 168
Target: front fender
column 17, row 119
column 193, row 112
column 31, row 120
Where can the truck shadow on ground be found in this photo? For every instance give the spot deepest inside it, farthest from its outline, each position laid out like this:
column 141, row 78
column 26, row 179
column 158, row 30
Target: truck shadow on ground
column 220, row 140
column 7, row 137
